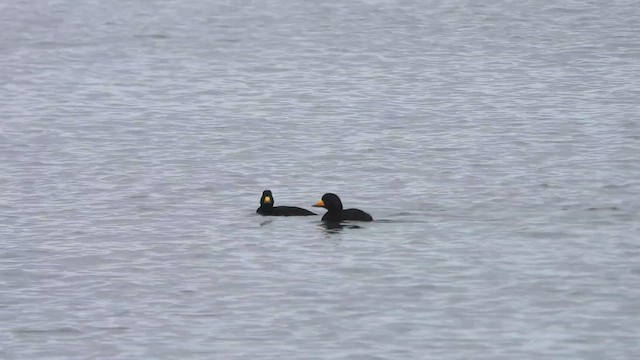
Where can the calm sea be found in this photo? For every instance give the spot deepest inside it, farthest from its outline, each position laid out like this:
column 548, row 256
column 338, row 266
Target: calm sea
column 497, row 145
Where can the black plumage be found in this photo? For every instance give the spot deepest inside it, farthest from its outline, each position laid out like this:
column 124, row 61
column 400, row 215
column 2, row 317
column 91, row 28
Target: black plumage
column 267, row 209
column 335, row 212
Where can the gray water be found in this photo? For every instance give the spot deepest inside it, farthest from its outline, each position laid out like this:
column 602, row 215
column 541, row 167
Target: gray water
column 496, row 144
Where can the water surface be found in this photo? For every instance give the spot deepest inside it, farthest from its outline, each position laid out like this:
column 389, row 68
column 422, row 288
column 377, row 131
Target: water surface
column 496, row 144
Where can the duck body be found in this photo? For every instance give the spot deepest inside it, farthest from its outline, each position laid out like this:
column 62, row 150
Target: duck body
column 335, row 212
column 267, row 209
column 284, row 211
column 347, row 214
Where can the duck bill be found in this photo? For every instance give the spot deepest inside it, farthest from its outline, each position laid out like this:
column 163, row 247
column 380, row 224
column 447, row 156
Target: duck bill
column 267, row 200
column 318, row 204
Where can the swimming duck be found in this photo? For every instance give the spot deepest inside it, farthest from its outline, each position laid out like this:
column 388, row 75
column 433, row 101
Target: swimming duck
column 335, row 213
column 267, row 209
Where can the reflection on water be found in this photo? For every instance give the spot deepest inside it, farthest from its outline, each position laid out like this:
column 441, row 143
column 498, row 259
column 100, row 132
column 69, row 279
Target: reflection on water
column 335, row 227
column 266, row 222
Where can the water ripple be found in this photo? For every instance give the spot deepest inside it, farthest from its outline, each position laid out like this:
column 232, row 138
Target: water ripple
column 495, row 144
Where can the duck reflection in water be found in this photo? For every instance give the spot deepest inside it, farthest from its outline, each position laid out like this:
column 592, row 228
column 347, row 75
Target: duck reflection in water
column 336, row 227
